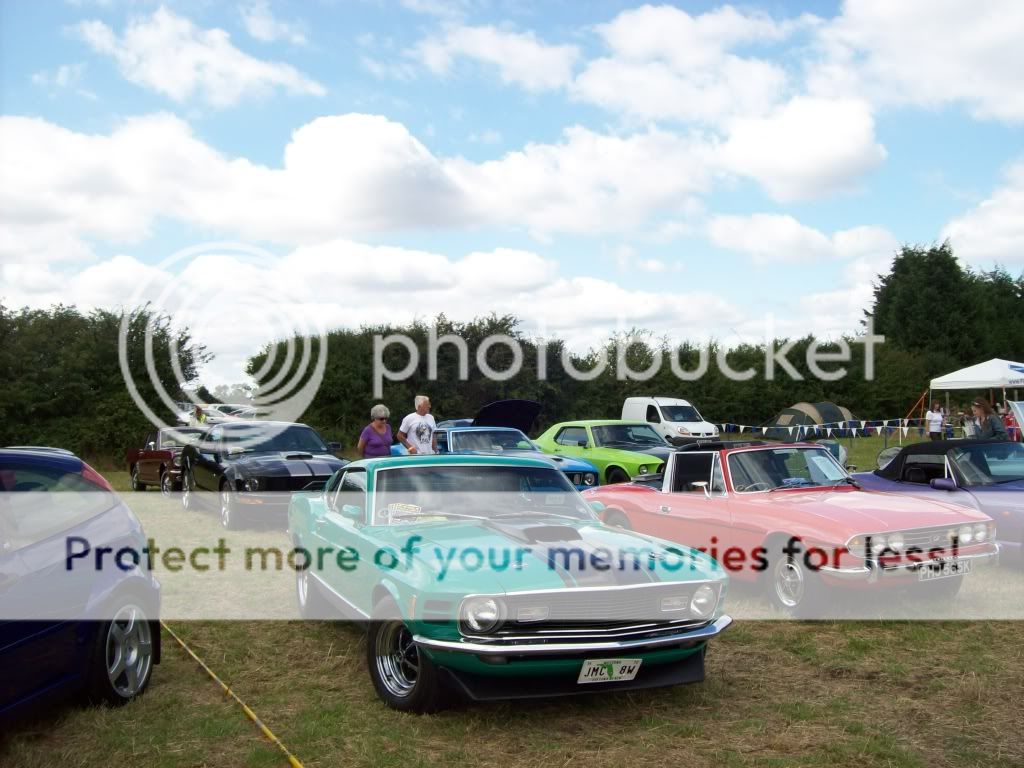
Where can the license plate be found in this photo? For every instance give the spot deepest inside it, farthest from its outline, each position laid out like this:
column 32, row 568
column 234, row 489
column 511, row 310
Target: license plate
column 608, row 670
column 944, row 569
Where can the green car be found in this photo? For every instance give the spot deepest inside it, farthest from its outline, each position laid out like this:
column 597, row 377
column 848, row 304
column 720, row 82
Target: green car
column 489, row 577
column 621, row 450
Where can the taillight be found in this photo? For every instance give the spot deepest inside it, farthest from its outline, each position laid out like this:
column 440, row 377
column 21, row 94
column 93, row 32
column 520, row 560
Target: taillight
column 94, row 477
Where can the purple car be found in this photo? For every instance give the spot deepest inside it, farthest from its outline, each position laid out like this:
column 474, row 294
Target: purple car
column 987, row 475
column 67, row 623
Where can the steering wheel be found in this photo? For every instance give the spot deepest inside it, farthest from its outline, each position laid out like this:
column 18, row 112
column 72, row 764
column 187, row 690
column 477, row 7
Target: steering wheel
column 760, row 486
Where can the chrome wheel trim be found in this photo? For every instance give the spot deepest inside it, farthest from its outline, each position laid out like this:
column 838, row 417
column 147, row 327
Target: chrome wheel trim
column 302, row 587
column 129, row 651
column 135, row 478
column 166, row 487
column 225, row 506
column 789, row 583
column 186, row 488
column 397, row 659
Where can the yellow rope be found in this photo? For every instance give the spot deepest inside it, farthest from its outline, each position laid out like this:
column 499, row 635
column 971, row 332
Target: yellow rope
column 292, row 759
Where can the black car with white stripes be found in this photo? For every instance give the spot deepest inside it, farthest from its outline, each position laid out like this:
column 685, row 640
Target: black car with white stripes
column 253, row 467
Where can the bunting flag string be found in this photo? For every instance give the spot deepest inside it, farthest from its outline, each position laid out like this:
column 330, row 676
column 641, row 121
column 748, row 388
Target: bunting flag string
column 830, row 429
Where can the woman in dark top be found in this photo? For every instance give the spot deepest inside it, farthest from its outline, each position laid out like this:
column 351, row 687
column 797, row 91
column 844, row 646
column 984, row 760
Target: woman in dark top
column 990, row 426
column 375, row 439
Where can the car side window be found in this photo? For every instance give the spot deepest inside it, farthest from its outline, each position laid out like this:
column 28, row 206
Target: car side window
column 351, row 490
column 652, row 414
column 442, row 441
column 150, row 438
column 571, row 436
column 40, row 502
column 717, row 478
column 692, row 468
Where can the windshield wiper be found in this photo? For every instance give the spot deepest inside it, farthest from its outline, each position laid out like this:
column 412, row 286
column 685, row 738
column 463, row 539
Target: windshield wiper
column 532, row 513
column 458, row 515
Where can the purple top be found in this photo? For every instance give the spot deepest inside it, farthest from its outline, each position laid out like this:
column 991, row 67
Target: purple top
column 376, row 443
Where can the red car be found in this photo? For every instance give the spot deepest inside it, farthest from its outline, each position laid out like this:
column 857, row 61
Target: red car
column 157, row 462
column 789, row 516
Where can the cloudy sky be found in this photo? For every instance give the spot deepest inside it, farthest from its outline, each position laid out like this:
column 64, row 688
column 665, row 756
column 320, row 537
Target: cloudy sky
column 701, row 170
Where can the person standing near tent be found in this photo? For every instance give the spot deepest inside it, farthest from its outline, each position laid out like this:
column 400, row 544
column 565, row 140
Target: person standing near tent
column 935, row 419
column 990, row 426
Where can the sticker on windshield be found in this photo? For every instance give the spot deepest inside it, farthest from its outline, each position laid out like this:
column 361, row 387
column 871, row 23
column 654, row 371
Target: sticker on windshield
column 403, row 509
column 827, row 467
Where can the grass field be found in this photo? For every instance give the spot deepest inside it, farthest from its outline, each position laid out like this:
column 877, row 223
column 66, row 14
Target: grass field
column 778, row 694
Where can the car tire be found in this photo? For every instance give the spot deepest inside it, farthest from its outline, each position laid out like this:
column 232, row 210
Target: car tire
column 615, row 475
column 312, row 604
column 617, row 519
column 123, row 655
column 136, row 484
column 404, row 678
column 228, row 508
column 188, row 489
column 792, row 588
column 167, row 488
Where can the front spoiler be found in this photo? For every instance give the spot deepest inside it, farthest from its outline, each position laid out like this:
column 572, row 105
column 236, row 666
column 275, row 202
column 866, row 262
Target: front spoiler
column 481, row 687
column 686, row 638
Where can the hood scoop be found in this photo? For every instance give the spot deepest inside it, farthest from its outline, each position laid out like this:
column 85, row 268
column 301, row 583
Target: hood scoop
column 298, row 455
column 533, row 533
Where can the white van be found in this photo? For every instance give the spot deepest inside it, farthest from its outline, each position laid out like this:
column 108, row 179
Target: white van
column 674, row 419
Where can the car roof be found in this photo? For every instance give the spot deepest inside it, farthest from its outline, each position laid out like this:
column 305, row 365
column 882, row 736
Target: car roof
column 57, row 458
column 471, row 428
column 387, row 462
column 893, row 470
column 603, row 423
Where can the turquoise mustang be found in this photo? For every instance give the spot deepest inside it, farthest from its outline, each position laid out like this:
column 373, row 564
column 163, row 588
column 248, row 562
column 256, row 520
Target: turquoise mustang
column 490, row 577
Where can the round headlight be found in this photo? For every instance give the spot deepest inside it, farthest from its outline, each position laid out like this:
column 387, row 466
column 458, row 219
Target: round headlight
column 481, row 614
column 896, row 541
column 966, row 534
column 703, row 602
column 980, row 532
column 877, row 544
column 589, row 478
column 642, row 469
column 252, row 484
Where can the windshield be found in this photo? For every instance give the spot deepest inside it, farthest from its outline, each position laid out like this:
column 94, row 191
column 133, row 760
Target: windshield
column 176, row 438
column 680, row 413
column 988, row 464
column 291, row 439
column 490, row 440
column 437, row 493
column 767, row 470
column 627, row 434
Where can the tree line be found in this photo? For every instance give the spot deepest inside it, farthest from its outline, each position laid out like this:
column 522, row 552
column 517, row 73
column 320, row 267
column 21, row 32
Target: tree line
column 62, row 384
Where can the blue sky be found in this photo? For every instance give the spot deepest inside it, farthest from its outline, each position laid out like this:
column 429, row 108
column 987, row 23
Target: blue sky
column 693, row 168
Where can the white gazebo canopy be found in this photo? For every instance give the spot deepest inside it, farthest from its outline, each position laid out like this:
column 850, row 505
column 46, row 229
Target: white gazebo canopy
column 994, row 374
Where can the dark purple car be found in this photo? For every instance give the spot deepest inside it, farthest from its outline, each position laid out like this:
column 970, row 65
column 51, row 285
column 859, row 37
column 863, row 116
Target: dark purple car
column 987, row 475
column 65, row 623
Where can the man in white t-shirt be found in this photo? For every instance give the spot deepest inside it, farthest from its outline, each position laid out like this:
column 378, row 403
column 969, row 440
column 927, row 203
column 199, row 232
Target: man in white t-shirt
column 417, row 430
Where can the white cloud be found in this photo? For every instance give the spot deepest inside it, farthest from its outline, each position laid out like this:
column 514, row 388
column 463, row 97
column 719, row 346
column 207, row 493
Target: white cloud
column 341, row 176
column 806, row 148
column 261, row 24
column 926, row 52
column 778, row 238
column 520, row 57
column 666, row 64
column 994, row 229
column 167, row 53
column 64, row 77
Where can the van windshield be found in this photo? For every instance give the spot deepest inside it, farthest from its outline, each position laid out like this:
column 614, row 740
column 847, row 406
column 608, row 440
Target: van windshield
column 680, row 413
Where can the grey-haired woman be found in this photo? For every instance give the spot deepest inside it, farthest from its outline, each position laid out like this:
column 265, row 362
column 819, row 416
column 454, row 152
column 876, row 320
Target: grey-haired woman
column 375, row 439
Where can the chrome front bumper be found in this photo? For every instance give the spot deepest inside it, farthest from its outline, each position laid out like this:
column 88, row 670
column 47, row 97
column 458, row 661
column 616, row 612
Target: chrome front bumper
column 693, row 636
column 872, row 573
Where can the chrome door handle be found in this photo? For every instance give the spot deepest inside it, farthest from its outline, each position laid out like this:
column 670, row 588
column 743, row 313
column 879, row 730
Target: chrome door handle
column 664, row 509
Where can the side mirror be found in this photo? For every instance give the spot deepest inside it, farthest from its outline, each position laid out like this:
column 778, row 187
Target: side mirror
column 334, row 447
column 943, row 484
column 582, row 443
column 597, row 506
column 234, row 451
column 352, row 512
column 150, row 446
column 703, row 485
